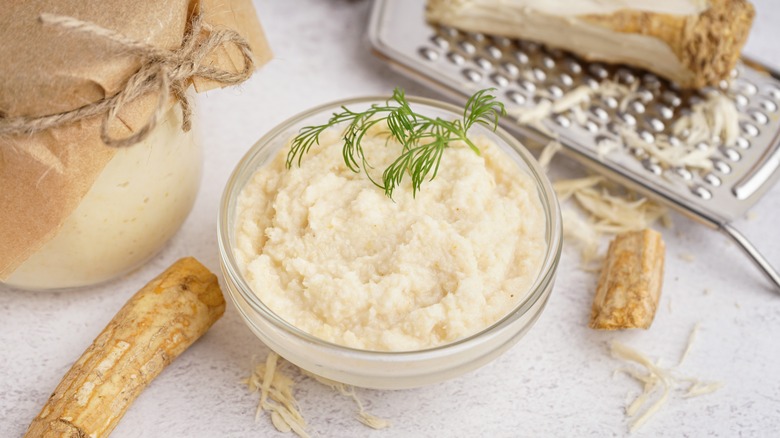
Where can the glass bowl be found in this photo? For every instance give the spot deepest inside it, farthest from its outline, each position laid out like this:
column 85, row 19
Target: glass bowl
column 375, row 369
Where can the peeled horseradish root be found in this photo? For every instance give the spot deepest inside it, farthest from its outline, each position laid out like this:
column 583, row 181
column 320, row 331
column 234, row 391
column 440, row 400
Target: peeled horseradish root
column 695, row 43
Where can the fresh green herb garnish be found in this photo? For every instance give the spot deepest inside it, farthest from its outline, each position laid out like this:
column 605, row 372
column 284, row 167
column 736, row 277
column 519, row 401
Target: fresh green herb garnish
column 424, row 139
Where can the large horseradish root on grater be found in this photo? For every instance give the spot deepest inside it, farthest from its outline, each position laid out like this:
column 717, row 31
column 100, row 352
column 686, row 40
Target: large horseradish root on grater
column 694, row 43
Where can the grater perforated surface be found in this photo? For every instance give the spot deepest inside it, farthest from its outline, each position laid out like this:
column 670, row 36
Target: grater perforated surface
column 526, row 73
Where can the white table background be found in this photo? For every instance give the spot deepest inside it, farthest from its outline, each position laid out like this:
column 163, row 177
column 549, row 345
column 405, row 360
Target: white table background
column 558, row 381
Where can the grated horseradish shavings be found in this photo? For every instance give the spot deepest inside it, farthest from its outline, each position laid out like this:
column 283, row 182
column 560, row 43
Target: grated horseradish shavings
column 276, row 397
column 548, row 153
column 282, row 406
column 656, row 379
column 713, row 120
column 604, row 212
column 364, row 417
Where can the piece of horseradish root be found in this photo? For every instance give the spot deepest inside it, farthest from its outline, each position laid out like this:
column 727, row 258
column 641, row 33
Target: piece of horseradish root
column 694, row 43
column 629, row 286
column 156, row 325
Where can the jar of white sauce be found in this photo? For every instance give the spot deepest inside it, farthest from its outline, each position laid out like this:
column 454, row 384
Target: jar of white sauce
column 137, row 203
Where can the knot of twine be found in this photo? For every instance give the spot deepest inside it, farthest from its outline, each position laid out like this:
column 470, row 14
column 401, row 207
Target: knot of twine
column 166, row 72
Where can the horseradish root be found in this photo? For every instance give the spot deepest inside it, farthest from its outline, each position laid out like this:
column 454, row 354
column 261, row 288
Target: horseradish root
column 630, row 283
column 158, row 323
column 692, row 42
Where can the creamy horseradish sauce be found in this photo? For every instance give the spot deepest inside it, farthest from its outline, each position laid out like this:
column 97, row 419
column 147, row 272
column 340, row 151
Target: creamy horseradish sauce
column 328, row 252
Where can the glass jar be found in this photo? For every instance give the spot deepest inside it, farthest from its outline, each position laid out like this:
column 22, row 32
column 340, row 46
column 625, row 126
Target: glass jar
column 137, row 203
column 378, row 369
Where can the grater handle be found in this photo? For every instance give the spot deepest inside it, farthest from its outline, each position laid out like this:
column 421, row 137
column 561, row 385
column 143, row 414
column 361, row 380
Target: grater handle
column 751, row 251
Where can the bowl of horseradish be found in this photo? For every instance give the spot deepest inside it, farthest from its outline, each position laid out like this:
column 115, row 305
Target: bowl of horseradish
column 390, row 242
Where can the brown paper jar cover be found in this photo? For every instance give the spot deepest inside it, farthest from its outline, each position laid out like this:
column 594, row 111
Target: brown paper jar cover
column 48, row 70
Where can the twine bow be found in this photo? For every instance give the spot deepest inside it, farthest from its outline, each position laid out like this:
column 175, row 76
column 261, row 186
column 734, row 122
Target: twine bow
column 163, row 71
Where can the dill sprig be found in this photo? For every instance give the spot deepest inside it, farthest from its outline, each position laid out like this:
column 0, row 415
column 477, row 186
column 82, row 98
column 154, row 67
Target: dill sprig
column 423, row 138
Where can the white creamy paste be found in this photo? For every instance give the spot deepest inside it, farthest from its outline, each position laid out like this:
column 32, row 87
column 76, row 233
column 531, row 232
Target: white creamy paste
column 136, row 204
column 328, row 252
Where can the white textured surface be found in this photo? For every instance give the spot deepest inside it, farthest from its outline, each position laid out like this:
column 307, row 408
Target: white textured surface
column 557, row 382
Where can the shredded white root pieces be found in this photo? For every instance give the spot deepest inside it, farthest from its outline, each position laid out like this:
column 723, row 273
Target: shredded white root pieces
column 580, row 232
column 549, row 151
column 656, row 379
column 714, row 120
column 276, row 398
column 604, row 213
column 364, row 417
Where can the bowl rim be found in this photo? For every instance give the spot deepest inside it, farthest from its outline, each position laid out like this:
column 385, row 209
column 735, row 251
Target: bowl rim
column 546, row 274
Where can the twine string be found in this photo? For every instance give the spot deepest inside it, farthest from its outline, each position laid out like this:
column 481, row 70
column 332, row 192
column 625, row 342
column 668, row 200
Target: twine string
column 166, row 72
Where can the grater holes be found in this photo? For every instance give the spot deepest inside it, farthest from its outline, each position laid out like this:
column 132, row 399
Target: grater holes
column 429, row 54
column 671, row 98
column 664, row 111
column 548, row 62
column 759, row 117
column 741, row 100
column 476, row 36
column 656, row 124
column 591, row 126
column 522, row 57
column 574, row 66
column 591, row 82
column 625, row 76
column 501, row 41
column 539, row 74
column 744, row 87
column 450, row 31
column 499, row 79
column 651, row 81
column 510, row 69
column 527, row 85
column 701, row 192
column 720, row 166
column 555, row 91
column 628, row 119
column 562, row 121
column 749, row 129
column 712, row 180
column 566, row 80
column 456, row 58
column 440, row 42
column 494, row 52
column 472, row 75
column 773, row 92
column 742, row 143
column 598, row 70
column 610, row 102
column 613, row 128
column 530, row 46
column 682, row 172
column 768, row 105
column 483, row 63
column 645, row 95
column 516, row 97
column 467, row 47
column 638, row 153
column 646, row 136
column 600, row 113
column 652, row 166
column 637, row 107
column 730, row 154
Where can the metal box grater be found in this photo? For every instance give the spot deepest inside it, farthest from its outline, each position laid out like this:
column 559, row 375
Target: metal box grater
column 523, row 72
